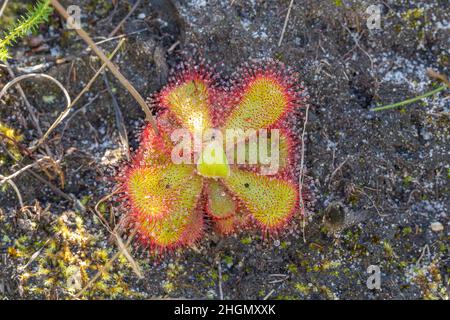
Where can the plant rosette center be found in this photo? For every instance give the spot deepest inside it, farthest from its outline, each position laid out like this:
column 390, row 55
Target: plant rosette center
column 213, row 161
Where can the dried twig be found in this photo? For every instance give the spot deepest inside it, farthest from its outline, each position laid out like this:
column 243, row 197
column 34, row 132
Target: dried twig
column 14, row 186
column 116, row 29
column 2, row 9
column 269, row 294
column 356, row 41
column 83, row 108
column 66, row 111
column 124, row 250
column 339, row 167
column 36, row 75
column 220, row 279
column 110, row 65
column 426, row 249
column 121, row 245
column 31, row 110
column 54, row 188
column 120, row 123
column 302, row 173
column 119, row 36
column 285, row 22
column 106, row 266
column 34, row 256
column 18, row 172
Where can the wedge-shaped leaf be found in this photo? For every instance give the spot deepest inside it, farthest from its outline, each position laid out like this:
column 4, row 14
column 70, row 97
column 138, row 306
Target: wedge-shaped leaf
column 263, row 102
column 154, row 149
column 220, row 204
column 270, row 201
column 154, row 190
column 183, row 224
column 189, row 102
column 254, row 156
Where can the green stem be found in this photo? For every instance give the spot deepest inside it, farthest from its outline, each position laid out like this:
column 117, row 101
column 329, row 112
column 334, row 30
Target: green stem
column 405, row 102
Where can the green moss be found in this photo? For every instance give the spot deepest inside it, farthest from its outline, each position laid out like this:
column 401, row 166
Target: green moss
column 67, row 260
column 302, row 288
column 10, row 138
column 278, row 56
column 168, row 287
column 85, row 200
column 228, row 261
column 353, row 199
column 407, row 181
column 285, row 297
column 444, row 60
column 246, row 240
column 292, row 268
column 388, row 250
column 327, row 292
column 414, row 17
column 406, row 231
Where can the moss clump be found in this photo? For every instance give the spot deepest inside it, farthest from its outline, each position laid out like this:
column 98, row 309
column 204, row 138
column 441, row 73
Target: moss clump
column 61, row 265
column 10, row 139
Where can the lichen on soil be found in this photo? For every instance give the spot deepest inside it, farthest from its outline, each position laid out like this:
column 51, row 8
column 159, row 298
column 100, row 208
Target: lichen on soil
column 380, row 180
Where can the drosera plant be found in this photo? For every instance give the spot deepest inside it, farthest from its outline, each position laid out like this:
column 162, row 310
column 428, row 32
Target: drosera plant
column 169, row 204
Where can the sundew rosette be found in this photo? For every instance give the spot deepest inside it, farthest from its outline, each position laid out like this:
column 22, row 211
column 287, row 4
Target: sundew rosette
column 192, row 177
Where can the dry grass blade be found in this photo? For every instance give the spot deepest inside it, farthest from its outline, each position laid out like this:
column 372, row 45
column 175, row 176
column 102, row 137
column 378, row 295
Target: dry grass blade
column 34, row 256
column 2, row 9
column 100, row 215
column 54, row 188
column 16, row 190
column 66, row 111
column 31, row 110
column 126, row 253
column 111, row 66
column 106, row 266
column 120, row 122
column 438, row 76
column 302, row 173
column 285, row 22
column 55, row 170
column 18, row 172
column 219, row 267
column 119, row 241
column 116, row 29
column 35, row 75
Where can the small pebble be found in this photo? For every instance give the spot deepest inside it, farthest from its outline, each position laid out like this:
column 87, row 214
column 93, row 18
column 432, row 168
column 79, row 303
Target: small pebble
column 437, row 227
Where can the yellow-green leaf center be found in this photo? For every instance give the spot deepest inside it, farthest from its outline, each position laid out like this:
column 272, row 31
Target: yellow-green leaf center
column 213, row 161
